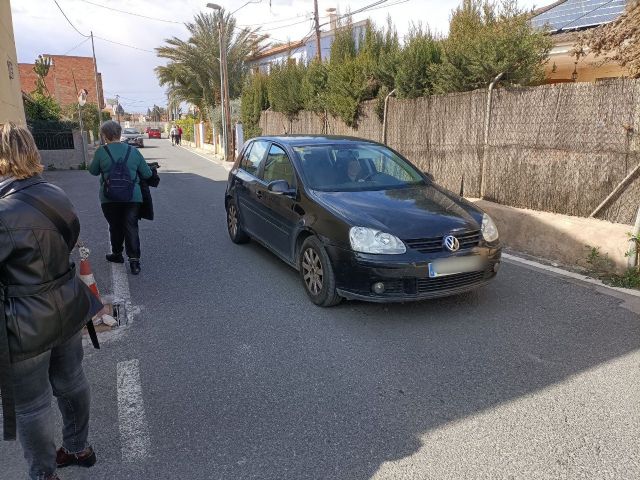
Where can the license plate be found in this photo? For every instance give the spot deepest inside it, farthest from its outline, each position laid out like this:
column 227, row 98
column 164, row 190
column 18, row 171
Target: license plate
column 453, row 265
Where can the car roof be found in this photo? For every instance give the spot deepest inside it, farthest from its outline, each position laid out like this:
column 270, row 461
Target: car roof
column 304, row 140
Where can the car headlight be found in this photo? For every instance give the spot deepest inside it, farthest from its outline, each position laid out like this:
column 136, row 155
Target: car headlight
column 489, row 229
column 369, row 240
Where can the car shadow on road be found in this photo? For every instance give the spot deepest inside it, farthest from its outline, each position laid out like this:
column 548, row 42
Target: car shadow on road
column 339, row 392
column 294, row 391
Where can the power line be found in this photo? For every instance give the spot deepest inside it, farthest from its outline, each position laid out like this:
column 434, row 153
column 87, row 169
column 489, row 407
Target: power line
column 131, row 13
column 69, row 21
column 72, row 49
column 123, row 44
column 274, row 21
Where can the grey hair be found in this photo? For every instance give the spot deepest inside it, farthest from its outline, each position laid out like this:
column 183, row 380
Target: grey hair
column 110, row 130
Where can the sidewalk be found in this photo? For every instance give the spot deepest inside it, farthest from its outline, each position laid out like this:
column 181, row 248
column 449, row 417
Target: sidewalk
column 207, row 154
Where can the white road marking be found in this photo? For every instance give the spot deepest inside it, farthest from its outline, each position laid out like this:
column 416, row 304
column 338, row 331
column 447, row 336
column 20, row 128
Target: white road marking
column 134, row 431
column 565, row 273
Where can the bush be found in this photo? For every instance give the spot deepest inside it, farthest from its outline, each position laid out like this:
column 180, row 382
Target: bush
column 38, row 106
column 486, row 39
column 415, row 75
column 285, row 88
column 89, row 116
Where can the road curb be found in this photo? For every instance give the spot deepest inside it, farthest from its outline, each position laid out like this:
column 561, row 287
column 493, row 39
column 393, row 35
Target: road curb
column 565, row 273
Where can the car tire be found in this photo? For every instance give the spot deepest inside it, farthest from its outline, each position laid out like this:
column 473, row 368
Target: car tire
column 316, row 273
column 236, row 234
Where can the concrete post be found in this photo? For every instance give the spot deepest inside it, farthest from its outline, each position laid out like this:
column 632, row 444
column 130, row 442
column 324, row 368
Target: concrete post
column 201, row 134
column 239, row 138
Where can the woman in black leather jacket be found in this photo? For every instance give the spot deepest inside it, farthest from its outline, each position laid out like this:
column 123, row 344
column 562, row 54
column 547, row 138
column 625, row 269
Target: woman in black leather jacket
column 44, row 307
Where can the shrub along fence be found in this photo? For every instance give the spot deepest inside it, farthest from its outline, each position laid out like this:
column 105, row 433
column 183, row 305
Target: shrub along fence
column 561, row 148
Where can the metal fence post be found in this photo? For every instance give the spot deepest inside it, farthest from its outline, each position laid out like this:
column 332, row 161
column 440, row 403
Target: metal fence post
column 487, row 121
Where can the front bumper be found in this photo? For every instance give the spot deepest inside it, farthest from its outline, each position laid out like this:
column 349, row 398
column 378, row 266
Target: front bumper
column 135, row 142
column 406, row 279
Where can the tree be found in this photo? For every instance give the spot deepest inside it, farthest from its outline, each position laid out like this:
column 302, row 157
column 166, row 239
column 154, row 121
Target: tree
column 618, row 41
column 41, row 69
column 485, row 39
column 416, row 72
column 192, row 73
column 89, row 116
column 285, row 88
column 255, row 99
column 314, row 87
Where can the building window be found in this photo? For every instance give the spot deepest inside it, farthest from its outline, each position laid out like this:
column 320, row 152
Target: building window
column 10, row 68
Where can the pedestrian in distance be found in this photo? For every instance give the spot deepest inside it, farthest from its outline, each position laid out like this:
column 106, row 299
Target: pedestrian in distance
column 120, row 168
column 179, row 135
column 173, row 133
column 44, row 306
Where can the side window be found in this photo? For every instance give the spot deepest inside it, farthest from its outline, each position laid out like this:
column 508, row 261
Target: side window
column 278, row 167
column 254, row 155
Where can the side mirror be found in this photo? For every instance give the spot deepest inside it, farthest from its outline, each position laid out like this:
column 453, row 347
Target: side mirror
column 281, row 187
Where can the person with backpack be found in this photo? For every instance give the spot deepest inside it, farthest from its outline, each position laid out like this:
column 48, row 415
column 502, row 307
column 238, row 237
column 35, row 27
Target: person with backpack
column 120, row 167
column 43, row 307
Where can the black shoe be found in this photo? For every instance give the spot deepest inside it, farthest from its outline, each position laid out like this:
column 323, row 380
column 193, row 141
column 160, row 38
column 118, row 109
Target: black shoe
column 115, row 258
column 86, row 458
column 135, row 266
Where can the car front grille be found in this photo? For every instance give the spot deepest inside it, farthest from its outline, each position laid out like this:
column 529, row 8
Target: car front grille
column 426, row 285
column 417, row 286
column 435, row 244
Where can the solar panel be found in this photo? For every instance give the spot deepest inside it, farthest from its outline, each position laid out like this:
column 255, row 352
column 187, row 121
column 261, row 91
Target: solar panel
column 574, row 14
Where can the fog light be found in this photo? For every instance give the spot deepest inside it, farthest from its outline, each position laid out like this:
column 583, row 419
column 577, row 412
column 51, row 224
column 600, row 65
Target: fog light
column 378, row 288
column 496, row 267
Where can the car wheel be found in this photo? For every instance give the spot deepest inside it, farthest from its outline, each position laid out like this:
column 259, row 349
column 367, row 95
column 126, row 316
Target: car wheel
column 236, row 234
column 316, row 273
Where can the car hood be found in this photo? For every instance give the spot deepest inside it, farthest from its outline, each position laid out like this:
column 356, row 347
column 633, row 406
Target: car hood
column 414, row 212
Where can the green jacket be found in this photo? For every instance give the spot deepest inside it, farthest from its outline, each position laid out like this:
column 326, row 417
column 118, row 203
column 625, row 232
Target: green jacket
column 138, row 168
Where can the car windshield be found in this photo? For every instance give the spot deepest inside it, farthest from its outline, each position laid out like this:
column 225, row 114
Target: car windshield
column 154, row 130
column 130, row 131
column 355, row 167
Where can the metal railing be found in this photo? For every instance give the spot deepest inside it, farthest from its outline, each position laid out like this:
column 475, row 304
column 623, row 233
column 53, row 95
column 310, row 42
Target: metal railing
column 52, row 140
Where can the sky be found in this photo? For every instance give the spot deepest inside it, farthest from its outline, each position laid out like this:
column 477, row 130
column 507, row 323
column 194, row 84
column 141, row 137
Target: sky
column 127, row 65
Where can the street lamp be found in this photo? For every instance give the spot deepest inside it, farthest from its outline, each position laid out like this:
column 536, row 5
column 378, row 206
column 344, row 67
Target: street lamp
column 224, row 85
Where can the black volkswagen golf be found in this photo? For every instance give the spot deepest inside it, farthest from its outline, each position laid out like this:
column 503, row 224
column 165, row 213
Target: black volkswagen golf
column 357, row 220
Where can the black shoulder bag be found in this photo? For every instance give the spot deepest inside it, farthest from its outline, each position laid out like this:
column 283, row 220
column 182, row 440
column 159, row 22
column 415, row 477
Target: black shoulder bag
column 65, row 231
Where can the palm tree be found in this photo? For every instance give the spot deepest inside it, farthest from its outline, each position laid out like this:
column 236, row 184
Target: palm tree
column 192, row 73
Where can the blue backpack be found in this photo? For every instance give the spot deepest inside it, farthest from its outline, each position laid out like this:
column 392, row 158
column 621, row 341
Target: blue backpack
column 119, row 186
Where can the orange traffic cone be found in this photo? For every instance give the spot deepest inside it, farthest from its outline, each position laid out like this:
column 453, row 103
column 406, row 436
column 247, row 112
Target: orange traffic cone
column 86, row 275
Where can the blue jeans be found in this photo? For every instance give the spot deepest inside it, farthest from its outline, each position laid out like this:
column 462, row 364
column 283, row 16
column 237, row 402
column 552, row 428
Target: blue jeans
column 58, row 371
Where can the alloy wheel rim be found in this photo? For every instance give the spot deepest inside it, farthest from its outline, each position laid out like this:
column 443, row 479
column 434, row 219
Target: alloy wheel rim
column 232, row 220
column 312, row 271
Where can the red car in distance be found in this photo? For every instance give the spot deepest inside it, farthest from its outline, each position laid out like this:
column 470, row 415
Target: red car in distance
column 154, row 133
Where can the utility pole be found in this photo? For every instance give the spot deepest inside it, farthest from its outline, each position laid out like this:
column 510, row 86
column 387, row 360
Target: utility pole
column 317, row 19
column 118, row 108
column 228, row 153
column 95, row 73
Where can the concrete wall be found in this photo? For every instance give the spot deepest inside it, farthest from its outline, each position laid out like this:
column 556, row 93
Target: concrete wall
column 560, row 238
column 66, row 159
column 11, row 107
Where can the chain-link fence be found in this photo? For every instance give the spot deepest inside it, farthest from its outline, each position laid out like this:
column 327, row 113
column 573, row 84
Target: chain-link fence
column 562, row 148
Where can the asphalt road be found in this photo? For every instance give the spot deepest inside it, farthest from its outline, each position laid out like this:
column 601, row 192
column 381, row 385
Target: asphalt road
column 241, row 377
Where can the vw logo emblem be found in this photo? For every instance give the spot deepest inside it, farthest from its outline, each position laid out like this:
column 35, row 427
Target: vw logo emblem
column 452, row 243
